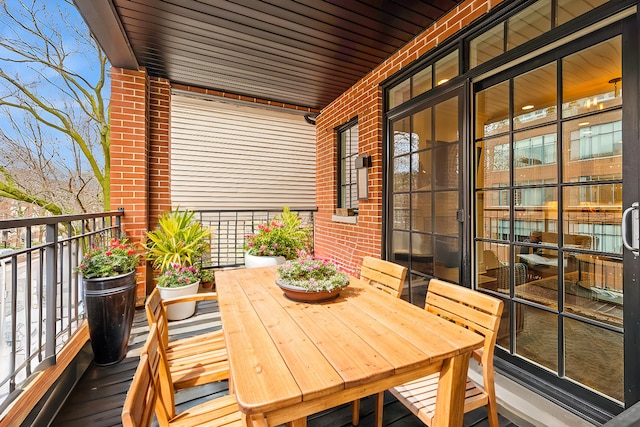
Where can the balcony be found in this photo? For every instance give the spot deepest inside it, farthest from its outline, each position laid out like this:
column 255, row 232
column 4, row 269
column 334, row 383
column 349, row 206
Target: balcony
column 45, row 346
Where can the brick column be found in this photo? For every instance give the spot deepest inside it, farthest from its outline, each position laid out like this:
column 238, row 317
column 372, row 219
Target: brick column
column 130, row 157
column 159, row 172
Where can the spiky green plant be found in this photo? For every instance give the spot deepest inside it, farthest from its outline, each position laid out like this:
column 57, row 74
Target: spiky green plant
column 177, row 240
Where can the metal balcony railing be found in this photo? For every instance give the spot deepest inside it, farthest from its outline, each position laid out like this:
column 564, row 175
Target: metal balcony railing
column 41, row 297
column 38, row 257
column 228, row 229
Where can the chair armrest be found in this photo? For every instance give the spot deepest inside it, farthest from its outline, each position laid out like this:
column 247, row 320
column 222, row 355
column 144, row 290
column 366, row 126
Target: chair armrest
column 209, row 296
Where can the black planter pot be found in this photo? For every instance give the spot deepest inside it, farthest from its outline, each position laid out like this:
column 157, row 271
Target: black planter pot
column 110, row 304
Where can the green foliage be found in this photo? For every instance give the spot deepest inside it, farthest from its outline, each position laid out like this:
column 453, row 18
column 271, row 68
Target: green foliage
column 206, row 275
column 286, row 235
column 312, row 274
column 177, row 276
column 177, row 240
column 119, row 257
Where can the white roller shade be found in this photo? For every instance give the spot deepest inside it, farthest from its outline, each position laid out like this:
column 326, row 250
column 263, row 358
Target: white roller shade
column 230, row 156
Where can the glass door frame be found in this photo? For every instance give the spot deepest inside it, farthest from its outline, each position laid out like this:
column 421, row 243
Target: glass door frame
column 459, row 88
column 630, row 194
column 556, row 387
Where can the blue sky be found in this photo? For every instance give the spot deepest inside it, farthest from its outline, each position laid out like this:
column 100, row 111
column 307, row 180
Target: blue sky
column 83, row 62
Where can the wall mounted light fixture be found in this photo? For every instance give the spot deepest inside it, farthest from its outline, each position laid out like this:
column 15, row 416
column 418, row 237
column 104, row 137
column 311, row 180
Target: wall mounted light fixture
column 363, row 163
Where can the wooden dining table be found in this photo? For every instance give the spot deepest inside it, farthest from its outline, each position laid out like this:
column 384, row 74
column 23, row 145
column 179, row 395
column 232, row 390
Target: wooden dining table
column 292, row 359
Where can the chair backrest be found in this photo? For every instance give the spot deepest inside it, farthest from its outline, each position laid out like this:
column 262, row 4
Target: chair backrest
column 384, row 275
column 141, row 399
column 151, row 389
column 491, row 260
column 157, row 315
column 474, row 310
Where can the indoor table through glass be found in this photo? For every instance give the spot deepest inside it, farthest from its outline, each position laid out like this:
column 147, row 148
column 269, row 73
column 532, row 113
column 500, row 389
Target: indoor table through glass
column 292, row 359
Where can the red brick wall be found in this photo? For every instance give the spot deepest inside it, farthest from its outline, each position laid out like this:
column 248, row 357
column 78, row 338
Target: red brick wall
column 159, row 139
column 348, row 243
column 129, row 155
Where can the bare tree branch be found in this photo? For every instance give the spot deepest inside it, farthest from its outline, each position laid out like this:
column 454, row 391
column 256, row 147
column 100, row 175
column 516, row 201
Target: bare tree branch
column 45, row 83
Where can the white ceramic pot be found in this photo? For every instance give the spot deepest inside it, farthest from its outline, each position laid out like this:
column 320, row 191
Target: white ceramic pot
column 253, row 261
column 180, row 310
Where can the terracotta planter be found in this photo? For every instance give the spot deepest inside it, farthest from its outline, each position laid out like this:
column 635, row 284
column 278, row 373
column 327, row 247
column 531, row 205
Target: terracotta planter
column 181, row 310
column 253, row 261
column 297, row 293
column 110, row 305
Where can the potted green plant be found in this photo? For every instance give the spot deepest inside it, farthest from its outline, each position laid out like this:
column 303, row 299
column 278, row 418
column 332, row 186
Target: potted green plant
column 311, row 280
column 109, row 282
column 278, row 240
column 207, row 278
column 175, row 249
column 177, row 239
column 178, row 281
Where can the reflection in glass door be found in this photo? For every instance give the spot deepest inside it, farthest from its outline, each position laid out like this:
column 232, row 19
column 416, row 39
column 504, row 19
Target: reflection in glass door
column 425, row 193
column 548, row 207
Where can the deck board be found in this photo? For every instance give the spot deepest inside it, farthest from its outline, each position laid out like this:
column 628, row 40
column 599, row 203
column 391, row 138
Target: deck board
column 98, row 397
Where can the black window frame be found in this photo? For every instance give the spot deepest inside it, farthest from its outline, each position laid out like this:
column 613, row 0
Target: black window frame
column 347, row 161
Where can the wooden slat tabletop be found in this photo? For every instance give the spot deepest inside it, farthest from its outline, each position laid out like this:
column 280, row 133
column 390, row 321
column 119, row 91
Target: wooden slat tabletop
column 299, row 357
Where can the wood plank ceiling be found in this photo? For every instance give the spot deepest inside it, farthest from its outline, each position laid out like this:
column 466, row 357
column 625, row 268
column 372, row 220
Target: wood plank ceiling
column 304, row 52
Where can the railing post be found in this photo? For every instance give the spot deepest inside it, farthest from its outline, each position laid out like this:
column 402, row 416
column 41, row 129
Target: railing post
column 51, row 274
column 119, row 222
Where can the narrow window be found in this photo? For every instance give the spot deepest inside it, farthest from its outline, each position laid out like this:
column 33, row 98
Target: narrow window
column 347, row 153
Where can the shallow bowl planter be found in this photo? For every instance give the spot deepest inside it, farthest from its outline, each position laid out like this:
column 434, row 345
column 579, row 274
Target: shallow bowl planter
column 297, row 293
column 253, row 261
column 181, row 310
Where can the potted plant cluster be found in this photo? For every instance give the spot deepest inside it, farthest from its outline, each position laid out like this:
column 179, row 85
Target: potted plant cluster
column 175, row 249
column 109, row 282
column 278, row 240
column 311, row 280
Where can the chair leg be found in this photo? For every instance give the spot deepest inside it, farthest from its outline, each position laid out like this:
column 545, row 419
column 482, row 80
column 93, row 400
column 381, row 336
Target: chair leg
column 355, row 414
column 379, row 406
column 492, row 413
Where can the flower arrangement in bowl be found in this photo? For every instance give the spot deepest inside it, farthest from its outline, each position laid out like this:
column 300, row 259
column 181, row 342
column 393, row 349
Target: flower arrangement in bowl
column 309, row 279
column 284, row 236
column 116, row 258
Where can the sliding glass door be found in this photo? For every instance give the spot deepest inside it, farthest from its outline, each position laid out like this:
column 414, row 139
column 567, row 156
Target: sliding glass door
column 425, row 198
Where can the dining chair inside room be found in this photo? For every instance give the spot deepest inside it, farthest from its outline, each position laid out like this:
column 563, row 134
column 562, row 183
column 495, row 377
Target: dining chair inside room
column 477, row 312
column 387, row 277
column 151, row 391
column 192, row 361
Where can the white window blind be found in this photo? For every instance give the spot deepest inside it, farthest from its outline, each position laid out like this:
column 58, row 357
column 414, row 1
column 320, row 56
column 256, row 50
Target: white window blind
column 232, row 156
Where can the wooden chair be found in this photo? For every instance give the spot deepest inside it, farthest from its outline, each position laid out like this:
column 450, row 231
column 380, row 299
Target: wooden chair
column 387, row 277
column 152, row 391
column 384, row 275
column 192, row 361
column 477, row 312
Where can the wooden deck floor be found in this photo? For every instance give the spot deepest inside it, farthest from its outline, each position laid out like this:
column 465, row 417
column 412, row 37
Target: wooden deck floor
column 97, row 399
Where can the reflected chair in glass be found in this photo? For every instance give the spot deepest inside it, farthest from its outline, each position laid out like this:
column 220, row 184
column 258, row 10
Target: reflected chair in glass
column 152, row 391
column 477, row 312
column 387, row 277
column 193, row 361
